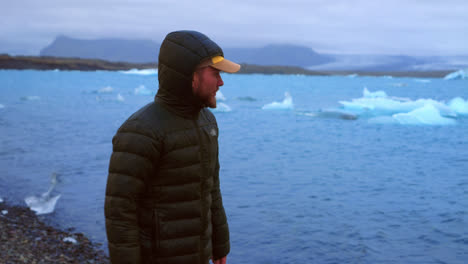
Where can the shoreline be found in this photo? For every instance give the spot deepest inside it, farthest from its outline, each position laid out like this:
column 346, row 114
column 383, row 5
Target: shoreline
column 24, row 238
column 8, row 62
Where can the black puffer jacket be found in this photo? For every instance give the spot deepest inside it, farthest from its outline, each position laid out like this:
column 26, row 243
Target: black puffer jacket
column 163, row 201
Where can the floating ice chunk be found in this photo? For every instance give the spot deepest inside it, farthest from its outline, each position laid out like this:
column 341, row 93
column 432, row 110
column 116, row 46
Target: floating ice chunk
column 106, row 89
column 426, row 115
column 286, row 104
column 30, row 98
column 399, row 84
column 333, row 113
column 44, row 204
column 70, row 240
column 2, row 106
column 376, row 94
column 142, row 90
column 220, row 96
column 460, row 74
column 141, row 72
column 422, row 80
column 247, row 98
column 354, row 75
column 459, row 105
column 4, row 212
column 222, row 107
column 120, row 98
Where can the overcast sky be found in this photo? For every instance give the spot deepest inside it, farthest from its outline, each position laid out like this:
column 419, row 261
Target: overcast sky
column 407, row 27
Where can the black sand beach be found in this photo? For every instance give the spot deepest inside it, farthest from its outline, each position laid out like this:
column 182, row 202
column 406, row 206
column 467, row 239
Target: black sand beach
column 25, row 239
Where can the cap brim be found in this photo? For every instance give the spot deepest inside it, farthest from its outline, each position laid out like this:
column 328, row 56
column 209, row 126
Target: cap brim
column 226, row 66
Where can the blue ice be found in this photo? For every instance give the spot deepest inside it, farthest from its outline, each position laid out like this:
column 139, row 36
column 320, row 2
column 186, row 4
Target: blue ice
column 389, row 109
column 459, row 105
column 286, row 104
column 142, row 90
column 460, row 74
column 426, row 115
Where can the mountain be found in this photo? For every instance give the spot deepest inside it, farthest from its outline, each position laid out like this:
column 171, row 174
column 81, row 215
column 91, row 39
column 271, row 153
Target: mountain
column 133, row 51
column 284, row 55
column 147, row 51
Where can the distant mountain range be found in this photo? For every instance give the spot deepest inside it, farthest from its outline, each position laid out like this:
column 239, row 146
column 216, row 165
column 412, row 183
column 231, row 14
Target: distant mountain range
column 147, row 51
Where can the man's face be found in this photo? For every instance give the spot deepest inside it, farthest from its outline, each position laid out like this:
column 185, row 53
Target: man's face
column 205, row 83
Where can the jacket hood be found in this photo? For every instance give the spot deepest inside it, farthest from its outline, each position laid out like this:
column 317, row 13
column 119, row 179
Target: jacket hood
column 180, row 53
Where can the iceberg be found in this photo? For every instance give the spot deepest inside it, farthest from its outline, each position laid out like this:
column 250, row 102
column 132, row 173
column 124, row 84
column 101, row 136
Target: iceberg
column 376, row 94
column 220, row 96
column 222, row 107
column 141, row 72
column 426, row 115
column 120, row 98
column 142, row 90
column 106, row 89
column 45, row 203
column 384, row 109
column 378, row 103
column 459, row 105
column 460, row 74
column 286, row 104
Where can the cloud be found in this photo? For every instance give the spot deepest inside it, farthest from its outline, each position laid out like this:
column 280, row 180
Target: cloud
column 398, row 27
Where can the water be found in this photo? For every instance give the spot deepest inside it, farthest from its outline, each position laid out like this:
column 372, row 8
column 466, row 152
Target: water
column 298, row 186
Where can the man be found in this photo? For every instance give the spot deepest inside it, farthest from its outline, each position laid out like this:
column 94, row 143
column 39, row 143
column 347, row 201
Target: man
column 163, row 201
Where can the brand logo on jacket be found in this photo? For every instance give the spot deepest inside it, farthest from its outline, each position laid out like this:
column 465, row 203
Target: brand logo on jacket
column 213, row 132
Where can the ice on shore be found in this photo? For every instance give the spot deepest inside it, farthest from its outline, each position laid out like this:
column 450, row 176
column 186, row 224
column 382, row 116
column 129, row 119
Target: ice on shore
column 45, row 203
column 69, row 239
column 286, row 104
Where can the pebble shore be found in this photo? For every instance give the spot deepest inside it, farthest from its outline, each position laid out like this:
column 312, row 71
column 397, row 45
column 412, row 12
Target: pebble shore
column 25, row 239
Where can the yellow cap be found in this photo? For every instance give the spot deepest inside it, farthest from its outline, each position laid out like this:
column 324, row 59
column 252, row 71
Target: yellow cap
column 220, row 63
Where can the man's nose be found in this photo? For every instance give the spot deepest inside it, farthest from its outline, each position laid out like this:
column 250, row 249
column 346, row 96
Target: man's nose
column 220, row 81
